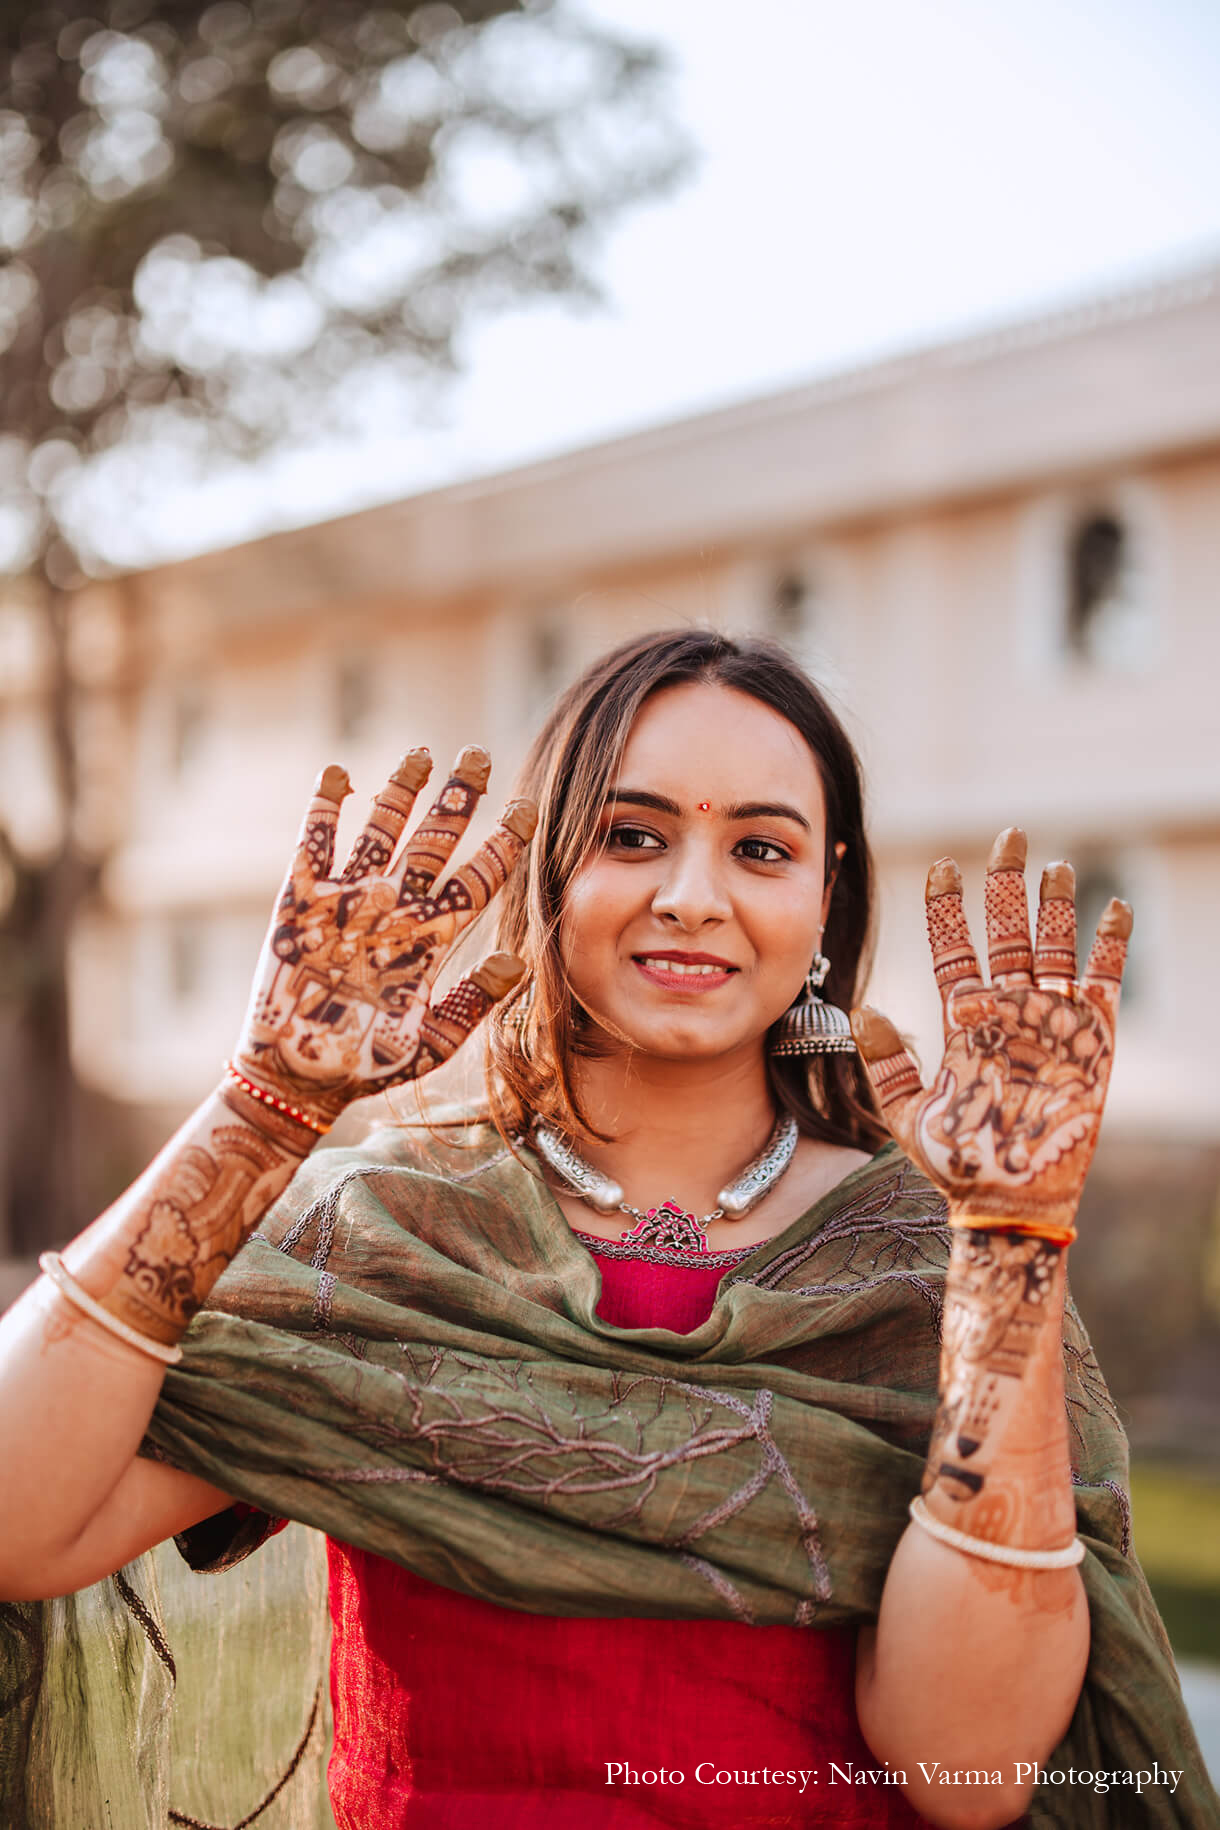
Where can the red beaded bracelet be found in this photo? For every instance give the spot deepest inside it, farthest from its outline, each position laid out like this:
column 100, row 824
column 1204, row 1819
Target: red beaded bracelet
column 273, row 1100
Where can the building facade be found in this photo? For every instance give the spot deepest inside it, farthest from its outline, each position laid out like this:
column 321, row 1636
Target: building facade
column 1000, row 556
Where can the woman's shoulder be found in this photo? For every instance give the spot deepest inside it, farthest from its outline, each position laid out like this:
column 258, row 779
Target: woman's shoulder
column 441, row 1138
column 451, row 1154
column 882, row 1219
column 386, row 1198
column 892, row 1197
column 888, row 1181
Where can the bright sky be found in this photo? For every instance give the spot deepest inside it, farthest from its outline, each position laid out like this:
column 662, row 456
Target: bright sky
column 872, row 175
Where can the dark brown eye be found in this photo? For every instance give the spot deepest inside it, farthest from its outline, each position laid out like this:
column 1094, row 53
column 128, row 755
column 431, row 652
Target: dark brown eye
column 763, row 851
column 632, row 838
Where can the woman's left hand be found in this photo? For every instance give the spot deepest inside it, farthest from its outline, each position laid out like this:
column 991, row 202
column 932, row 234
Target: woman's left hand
column 1009, row 1126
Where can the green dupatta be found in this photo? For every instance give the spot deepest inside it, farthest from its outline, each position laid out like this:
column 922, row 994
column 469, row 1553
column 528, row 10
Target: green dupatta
column 407, row 1355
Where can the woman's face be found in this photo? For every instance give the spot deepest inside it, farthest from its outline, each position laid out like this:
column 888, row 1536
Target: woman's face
column 692, row 924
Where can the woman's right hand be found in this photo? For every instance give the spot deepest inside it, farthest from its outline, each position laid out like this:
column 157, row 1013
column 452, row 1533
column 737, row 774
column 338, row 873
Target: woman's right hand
column 340, row 1005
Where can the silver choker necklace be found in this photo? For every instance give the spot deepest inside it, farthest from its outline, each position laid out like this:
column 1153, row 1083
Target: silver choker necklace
column 668, row 1225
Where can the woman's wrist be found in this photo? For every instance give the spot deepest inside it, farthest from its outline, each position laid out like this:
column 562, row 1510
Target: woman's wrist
column 292, row 1127
column 1056, row 1227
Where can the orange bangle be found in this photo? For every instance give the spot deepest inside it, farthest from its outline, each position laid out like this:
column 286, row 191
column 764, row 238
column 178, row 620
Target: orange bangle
column 273, row 1100
column 1010, row 1223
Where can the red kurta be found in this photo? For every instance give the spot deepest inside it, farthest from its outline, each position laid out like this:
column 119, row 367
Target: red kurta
column 455, row 1714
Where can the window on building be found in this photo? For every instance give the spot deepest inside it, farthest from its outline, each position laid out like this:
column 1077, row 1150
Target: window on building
column 354, row 693
column 1106, row 618
column 186, row 958
column 548, row 659
column 187, row 728
column 789, row 608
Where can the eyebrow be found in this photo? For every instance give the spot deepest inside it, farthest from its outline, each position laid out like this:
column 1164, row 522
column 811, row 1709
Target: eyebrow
column 740, row 810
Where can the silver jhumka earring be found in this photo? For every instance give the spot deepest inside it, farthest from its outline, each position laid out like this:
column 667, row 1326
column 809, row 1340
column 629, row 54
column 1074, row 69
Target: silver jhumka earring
column 811, row 1026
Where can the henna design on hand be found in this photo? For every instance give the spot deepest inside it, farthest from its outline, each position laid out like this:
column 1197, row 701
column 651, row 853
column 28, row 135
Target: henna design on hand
column 1055, row 948
column 316, row 850
column 429, row 849
column 388, row 815
column 1009, row 1126
column 953, row 957
column 1008, row 947
column 447, row 1026
column 340, row 1006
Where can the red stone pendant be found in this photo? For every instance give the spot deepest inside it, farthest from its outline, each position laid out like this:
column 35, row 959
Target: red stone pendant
column 669, row 1227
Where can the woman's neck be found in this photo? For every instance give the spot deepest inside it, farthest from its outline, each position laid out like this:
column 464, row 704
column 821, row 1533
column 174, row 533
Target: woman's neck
column 678, row 1130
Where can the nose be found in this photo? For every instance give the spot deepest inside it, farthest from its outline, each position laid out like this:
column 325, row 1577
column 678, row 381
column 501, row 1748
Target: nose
column 692, row 891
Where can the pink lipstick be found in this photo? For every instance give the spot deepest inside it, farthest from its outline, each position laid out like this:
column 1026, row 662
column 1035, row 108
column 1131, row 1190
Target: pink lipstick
column 686, row 972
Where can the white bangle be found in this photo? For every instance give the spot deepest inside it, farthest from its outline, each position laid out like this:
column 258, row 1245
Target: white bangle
column 995, row 1553
column 53, row 1265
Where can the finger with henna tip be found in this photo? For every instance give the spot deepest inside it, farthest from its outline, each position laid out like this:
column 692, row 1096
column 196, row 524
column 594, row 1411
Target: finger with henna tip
column 387, row 816
column 433, row 843
column 334, row 784
column 413, row 769
column 474, row 766
column 521, row 819
column 891, row 1069
column 498, row 974
column 315, row 850
column 954, row 961
column 445, row 1028
column 1103, row 973
column 471, row 889
column 1055, row 948
column 1010, row 950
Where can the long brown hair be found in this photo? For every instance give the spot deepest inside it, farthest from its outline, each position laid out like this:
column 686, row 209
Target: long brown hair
column 535, row 1034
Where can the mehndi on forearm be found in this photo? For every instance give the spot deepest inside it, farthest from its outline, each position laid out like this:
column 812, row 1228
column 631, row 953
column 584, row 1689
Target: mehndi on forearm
column 977, row 1664
column 998, row 1466
column 152, row 1257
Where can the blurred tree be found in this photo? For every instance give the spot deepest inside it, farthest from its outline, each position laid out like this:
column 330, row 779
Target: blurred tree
column 222, row 224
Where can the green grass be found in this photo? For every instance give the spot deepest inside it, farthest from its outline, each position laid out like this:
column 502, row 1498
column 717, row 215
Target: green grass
column 1176, row 1514
column 1176, row 1517
column 1192, row 1618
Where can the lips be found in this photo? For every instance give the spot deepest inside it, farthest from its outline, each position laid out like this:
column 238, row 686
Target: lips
column 690, row 972
column 688, row 959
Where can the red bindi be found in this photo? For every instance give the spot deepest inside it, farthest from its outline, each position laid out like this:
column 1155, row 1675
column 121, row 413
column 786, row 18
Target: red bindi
column 705, row 806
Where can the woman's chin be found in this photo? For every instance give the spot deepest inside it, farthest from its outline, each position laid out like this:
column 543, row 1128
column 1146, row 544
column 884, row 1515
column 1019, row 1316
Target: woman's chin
column 683, row 1040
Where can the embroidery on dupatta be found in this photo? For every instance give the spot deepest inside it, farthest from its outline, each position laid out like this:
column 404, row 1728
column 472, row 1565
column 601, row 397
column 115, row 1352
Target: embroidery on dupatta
column 873, row 1218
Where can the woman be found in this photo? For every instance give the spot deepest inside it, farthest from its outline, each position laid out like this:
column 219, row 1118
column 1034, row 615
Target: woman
column 697, row 1434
